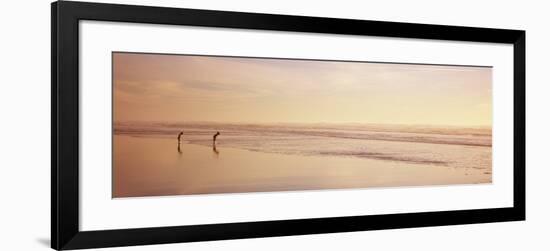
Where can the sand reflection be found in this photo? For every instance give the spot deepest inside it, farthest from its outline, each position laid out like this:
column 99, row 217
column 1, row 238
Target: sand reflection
column 146, row 166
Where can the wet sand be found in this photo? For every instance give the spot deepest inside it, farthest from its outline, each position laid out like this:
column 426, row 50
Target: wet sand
column 148, row 166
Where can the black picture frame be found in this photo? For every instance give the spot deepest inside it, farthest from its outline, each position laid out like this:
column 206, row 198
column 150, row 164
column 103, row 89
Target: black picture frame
column 65, row 233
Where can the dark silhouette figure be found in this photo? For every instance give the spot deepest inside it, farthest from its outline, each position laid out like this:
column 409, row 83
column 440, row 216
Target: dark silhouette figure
column 179, row 137
column 214, row 144
column 179, row 141
column 214, row 139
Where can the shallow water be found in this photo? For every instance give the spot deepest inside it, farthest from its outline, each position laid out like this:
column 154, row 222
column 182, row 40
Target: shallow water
column 454, row 147
column 260, row 158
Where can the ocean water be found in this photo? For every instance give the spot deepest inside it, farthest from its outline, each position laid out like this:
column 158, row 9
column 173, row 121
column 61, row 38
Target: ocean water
column 456, row 147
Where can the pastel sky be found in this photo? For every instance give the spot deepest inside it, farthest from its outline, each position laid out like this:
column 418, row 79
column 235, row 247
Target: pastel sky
column 155, row 87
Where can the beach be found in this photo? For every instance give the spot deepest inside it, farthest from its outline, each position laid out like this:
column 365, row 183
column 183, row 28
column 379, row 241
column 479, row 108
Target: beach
column 267, row 158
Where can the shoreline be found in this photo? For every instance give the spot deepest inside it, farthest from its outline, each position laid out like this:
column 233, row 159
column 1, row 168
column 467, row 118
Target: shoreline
column 159, row 170
column 349, row 154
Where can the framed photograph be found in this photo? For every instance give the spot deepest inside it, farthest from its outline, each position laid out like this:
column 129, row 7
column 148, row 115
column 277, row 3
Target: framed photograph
column 178, row 125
